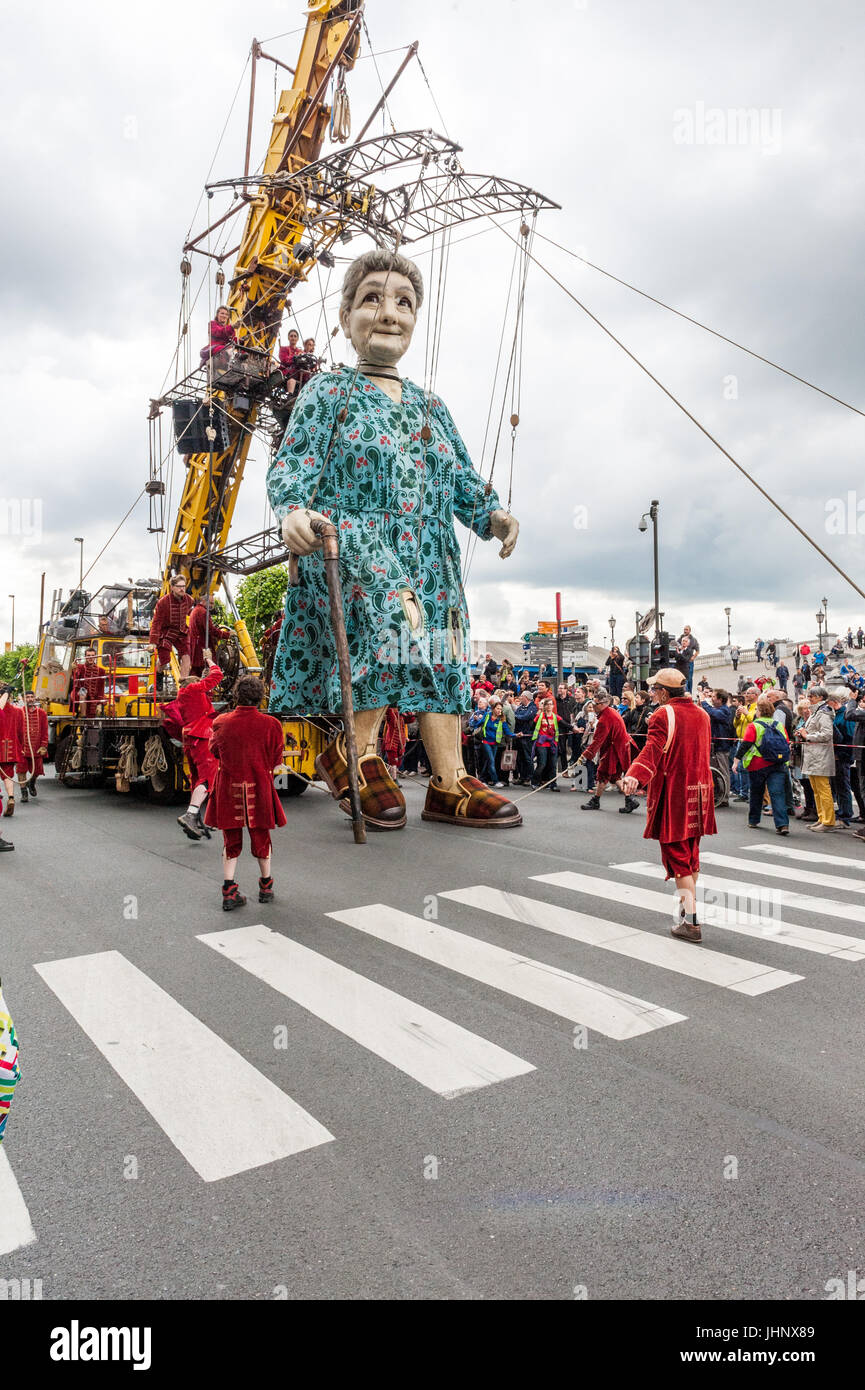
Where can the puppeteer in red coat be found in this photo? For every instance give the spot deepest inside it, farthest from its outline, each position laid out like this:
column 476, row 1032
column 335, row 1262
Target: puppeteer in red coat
column 168, row 628
column 674, row 766
column 196, row 716
column 201, row 635
column 10, row 737
column 88, row 688
column 248, row 747
column 33, row 738
column 611, row 744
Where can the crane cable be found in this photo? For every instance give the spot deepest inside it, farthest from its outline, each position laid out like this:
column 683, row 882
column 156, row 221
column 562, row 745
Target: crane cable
column 687, row 317
column 513, row 376
column 718, row 445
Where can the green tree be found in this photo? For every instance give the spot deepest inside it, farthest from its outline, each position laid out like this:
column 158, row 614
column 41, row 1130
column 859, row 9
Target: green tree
column 260, row 599
column 10, row 673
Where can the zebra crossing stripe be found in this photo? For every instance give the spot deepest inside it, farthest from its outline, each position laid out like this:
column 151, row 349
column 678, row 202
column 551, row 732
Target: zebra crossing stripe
column 744, row 923
column 16, row 1228
column 220, row 1112
column 738, row 890
column 608, row 1011
column 808, row 856
column 713, row 967
column 439, row 1054
column 730, row 861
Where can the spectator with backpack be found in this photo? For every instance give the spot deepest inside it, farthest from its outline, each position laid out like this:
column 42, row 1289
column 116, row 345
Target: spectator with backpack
column 763, row 751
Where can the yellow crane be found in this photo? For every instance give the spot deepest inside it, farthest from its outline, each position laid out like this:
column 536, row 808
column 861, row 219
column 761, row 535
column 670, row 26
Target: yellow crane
column 267, row 268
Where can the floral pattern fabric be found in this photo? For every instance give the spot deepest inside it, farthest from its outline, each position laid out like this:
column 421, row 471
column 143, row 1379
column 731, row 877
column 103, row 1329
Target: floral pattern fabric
column 393, row 496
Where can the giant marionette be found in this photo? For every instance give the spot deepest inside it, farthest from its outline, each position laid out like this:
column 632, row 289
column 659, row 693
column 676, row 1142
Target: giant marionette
column 383, row 461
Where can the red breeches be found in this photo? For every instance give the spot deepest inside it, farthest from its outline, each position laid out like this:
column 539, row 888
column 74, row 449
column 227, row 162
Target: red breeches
column 259, row 841
column 202, row 764
column 681, row 857
column 30, row 768
column 180, row 645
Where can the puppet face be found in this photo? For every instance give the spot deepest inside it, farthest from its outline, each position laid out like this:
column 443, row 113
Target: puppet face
column 382, row 317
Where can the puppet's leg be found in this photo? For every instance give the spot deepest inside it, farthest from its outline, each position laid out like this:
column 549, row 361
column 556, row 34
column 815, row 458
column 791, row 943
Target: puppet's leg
column 453, row 797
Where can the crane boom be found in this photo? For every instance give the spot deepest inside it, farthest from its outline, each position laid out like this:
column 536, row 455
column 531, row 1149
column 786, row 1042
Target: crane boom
column 270, row 262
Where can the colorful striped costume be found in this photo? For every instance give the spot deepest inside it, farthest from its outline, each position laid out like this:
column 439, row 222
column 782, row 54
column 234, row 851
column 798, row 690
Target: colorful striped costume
column 10, row 1073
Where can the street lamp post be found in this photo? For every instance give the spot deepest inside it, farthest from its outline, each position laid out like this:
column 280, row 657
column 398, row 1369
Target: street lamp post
column 653, row 513
column 612, row 623
column 825, row 603
column 12, row 596
column 79, row 540
column 819, row 616
column 728, row 611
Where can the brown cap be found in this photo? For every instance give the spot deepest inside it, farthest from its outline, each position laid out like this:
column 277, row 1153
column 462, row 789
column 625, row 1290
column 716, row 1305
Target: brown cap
column 669, row 678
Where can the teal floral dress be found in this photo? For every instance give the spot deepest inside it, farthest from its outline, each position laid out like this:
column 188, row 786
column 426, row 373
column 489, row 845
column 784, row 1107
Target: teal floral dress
column 393, row 496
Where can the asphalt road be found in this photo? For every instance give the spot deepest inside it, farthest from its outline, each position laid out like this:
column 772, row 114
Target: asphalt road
column 720, row 1153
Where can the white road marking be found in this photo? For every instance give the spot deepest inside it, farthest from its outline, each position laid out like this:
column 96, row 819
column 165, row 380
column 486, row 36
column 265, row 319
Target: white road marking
column 730, row 972
column 220, row 1112
column 809, row 856
column 738, row 889
column 744, row 923
column 608, row 1011
column 439, row 1054
column 791, row 875
column 16, row 1228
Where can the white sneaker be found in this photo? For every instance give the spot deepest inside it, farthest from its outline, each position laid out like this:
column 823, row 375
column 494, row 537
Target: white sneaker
column 500, row 784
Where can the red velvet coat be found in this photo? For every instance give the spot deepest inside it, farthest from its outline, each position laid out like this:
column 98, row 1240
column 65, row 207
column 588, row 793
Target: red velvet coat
column 197, row 633
column 10, row 733
column 33, row 735
column 89, row 682
column 169, row 618
column 247, row 745
column 611, row 744
column 196, row 711
column 680, row 802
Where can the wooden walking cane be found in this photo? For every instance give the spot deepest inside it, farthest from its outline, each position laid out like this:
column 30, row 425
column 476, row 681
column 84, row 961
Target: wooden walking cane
column 329, row 536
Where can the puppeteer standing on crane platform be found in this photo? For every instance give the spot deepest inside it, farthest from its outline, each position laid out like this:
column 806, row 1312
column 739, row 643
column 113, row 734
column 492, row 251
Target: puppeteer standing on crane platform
column 383, row 461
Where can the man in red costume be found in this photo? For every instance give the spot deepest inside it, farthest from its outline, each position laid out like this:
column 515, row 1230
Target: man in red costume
column 674, row 765
column 611, row 744
column 248, row 747
column 88, row 685
column 33, row 737
column 10, row 745
column 202, row 633
column 196, row 716
column 169, row 629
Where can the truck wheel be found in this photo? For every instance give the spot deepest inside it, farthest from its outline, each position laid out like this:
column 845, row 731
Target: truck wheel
column 294, row 785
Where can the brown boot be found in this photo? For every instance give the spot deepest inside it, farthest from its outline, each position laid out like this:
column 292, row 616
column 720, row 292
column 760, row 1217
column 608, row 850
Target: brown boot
column 687, row 931
column 10, row 807
column 381, row 801
column 471, row 805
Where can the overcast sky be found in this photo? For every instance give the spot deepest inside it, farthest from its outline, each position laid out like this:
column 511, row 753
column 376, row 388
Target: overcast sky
column 622, row 111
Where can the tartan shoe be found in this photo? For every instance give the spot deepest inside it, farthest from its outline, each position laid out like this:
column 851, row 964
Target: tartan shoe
column 472, row 805
column 332, row 767
column 381, row 800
